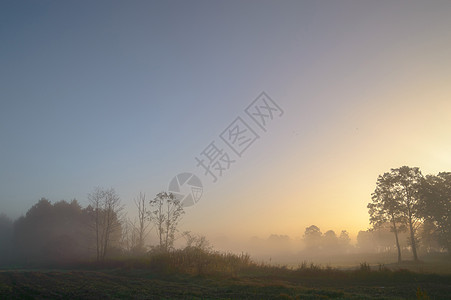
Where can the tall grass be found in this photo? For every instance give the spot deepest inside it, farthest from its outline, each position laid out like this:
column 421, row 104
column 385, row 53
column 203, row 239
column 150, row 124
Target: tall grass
column 205, row 262
column 190, row 260
column 198, row 261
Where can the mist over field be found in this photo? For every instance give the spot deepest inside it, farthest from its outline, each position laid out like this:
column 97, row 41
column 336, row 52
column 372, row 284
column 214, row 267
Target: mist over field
column 225, row 149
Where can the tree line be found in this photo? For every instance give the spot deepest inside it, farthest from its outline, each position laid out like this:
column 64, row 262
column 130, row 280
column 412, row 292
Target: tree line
column 66, row 232
column 407, row 211
column 318, row 243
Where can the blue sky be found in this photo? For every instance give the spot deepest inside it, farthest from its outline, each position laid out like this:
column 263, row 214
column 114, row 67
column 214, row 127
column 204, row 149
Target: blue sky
column 93, row 89
column 125, row 94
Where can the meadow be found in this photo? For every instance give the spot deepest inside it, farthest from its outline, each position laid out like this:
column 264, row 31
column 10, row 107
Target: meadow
column 199, row 274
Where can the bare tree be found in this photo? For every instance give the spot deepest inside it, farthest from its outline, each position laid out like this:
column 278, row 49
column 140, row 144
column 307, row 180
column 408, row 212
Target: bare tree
column 95, row 200
column 107, row 213
column 165, row 212
column 129, row 238
column 143, row 223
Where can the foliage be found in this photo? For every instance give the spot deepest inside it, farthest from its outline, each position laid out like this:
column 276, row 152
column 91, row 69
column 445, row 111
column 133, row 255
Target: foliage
column 385, row 208
column 52, row 233
column 436, row 206
column 6, row 234
column 396, row 199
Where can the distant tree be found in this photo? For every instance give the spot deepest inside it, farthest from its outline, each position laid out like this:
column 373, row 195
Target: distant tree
column 312, row 237
column 279, row 238
column 129, row 238
column 277, row 244
column 365, row 241
column 32, row 232
column 106, row 219
column 68, row 237
column 6, row 233
column 435, row 206
column 429, row 236
column 51, row 233
column 165, row 212
column 330, row 240
column 383, row 238
column 344, row 240
column 380, row 240
column 194, row 241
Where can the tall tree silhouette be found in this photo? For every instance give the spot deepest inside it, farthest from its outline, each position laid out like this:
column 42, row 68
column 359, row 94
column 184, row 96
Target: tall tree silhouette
column 385, row 207
column 407, row 187
column 397, row 200
column 436, row 205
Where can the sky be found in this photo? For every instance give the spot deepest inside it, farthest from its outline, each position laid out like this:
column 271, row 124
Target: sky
column 127, row 94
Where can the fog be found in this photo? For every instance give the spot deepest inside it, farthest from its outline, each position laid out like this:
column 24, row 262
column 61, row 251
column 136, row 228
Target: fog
column 295, row 132
column 65, row 233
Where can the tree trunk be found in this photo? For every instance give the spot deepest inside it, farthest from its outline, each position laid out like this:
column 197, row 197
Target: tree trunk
column 412, row 240
column 395, row 230
column 97, row 234
column 412, row 232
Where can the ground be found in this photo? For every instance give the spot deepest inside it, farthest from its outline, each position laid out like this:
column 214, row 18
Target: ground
column 144, row 284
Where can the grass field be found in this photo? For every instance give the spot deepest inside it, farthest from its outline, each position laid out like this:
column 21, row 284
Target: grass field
column 200, row 274
column 309, row 283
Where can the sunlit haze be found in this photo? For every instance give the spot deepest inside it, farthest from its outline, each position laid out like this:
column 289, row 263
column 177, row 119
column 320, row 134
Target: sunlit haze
column 126, row 94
